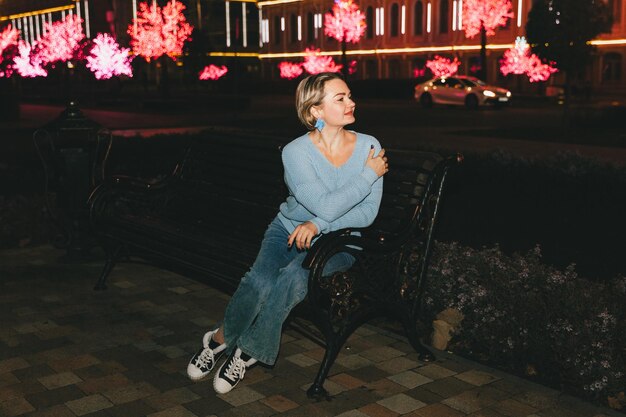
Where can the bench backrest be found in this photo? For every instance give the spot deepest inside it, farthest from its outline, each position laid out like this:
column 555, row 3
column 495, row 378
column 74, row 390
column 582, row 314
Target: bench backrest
column 249, row 171
column 404, row 189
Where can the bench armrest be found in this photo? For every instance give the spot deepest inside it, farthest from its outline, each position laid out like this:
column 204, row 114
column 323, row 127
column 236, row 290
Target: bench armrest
column 344, row 238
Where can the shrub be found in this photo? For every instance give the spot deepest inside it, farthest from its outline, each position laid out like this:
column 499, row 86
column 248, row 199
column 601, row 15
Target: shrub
column 533, row 319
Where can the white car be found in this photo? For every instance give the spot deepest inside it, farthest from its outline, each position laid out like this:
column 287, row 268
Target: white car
column 460, row 90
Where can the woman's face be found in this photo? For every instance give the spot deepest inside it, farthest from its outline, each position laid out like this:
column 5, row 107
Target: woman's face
column 337, row 108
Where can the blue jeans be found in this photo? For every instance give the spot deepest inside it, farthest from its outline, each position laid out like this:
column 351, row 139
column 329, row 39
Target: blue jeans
column 275, row 284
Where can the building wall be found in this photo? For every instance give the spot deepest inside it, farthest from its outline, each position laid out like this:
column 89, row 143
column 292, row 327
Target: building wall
column 400, row 47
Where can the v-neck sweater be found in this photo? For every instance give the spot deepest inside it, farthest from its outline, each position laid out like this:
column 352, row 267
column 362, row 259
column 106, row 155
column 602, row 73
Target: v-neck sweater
column 331, row 197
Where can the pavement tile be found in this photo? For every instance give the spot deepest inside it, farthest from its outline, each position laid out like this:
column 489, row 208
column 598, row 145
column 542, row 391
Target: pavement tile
column 279, row 403
column 33, row 372
column 210, row 404
column 60, row 410
column 539, row 399
column 20, row 390
column 385, row 388
column 90, row 404
column 302, row 360
column 308, row 410
column 401, row 403
column 103, row 383
column 132, row 409
column 381, row 353
column 241, row 395
column 448, row 387
column 178, row 411
column 352, row 413
column 410, row 379
column 347, row 381
column 477, row 378
column 424, row 395
column 131, row 392
column 436, row 410
column 255, row 409
column 317, row 354
column 353, row 361
column 513, row 408
column 59, row 380
column 7, row 379
column 73, row 362
column 434, row 371
column 12, row 364
column 56, row 396
column 377, row 410
column 466, row 402
column 488, row 412
column 171, row 398
column 397, row 365
column 15, row 407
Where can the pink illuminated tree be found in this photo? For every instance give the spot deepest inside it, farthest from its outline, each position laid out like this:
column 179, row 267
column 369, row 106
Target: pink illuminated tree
column 27, row 64
column 60, row 40
column 157, row 32
column 106, row 59
column 538, row 71
column 212, row 72
column 520, row 60
column 345, row 23
column 314, row 62
column 8, row 37
column 443, row 67
column 483, row 17
column 8, row 43
column 290, row 70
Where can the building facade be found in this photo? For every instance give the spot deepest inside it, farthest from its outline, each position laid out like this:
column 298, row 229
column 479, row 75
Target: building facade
column 402, row 34
column 256, row 35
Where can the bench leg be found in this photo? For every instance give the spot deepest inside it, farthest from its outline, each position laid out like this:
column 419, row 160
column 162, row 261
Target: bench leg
column 112, row 255
column 317, row 390
column 423, row 353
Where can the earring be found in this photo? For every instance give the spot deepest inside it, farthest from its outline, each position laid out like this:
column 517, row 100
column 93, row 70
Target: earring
column 319, row 124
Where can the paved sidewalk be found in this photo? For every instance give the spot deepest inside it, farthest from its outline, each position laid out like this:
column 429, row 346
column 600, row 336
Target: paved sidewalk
column 66, row 350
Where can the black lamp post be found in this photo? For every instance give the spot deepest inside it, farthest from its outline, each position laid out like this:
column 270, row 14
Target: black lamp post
column 73, row 149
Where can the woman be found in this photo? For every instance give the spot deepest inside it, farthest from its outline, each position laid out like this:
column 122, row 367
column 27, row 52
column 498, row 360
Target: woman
column 335, row 181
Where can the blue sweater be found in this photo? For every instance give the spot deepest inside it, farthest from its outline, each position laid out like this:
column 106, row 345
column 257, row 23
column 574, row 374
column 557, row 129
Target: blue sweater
column 330, row 197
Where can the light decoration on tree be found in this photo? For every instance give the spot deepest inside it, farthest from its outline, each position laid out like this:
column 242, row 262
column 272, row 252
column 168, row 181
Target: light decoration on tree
column 26, row 64
column 419, row 72
column 314, row 62
column 156, row 32
column 8, row 37
column 345, row 23
column 290, row 70
column 352, row 67
column 212, row 72
column 519, row 60
column 106, row 59
column 443, row 67
column 538, row 71
column 60, row 40
column 485, row 13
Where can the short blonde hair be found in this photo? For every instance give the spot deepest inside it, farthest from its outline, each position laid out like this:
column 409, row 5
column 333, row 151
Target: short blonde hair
column 310, row 92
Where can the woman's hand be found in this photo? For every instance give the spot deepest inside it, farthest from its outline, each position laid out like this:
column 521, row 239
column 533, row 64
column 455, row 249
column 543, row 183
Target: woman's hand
column 303, row 235
column 378, row 163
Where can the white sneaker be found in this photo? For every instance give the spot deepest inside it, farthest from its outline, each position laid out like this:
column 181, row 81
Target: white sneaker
column 205, row 358
column 231, row 372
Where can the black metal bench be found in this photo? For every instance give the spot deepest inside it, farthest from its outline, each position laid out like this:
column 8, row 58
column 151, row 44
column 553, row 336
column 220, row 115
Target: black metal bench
column 209, row 216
